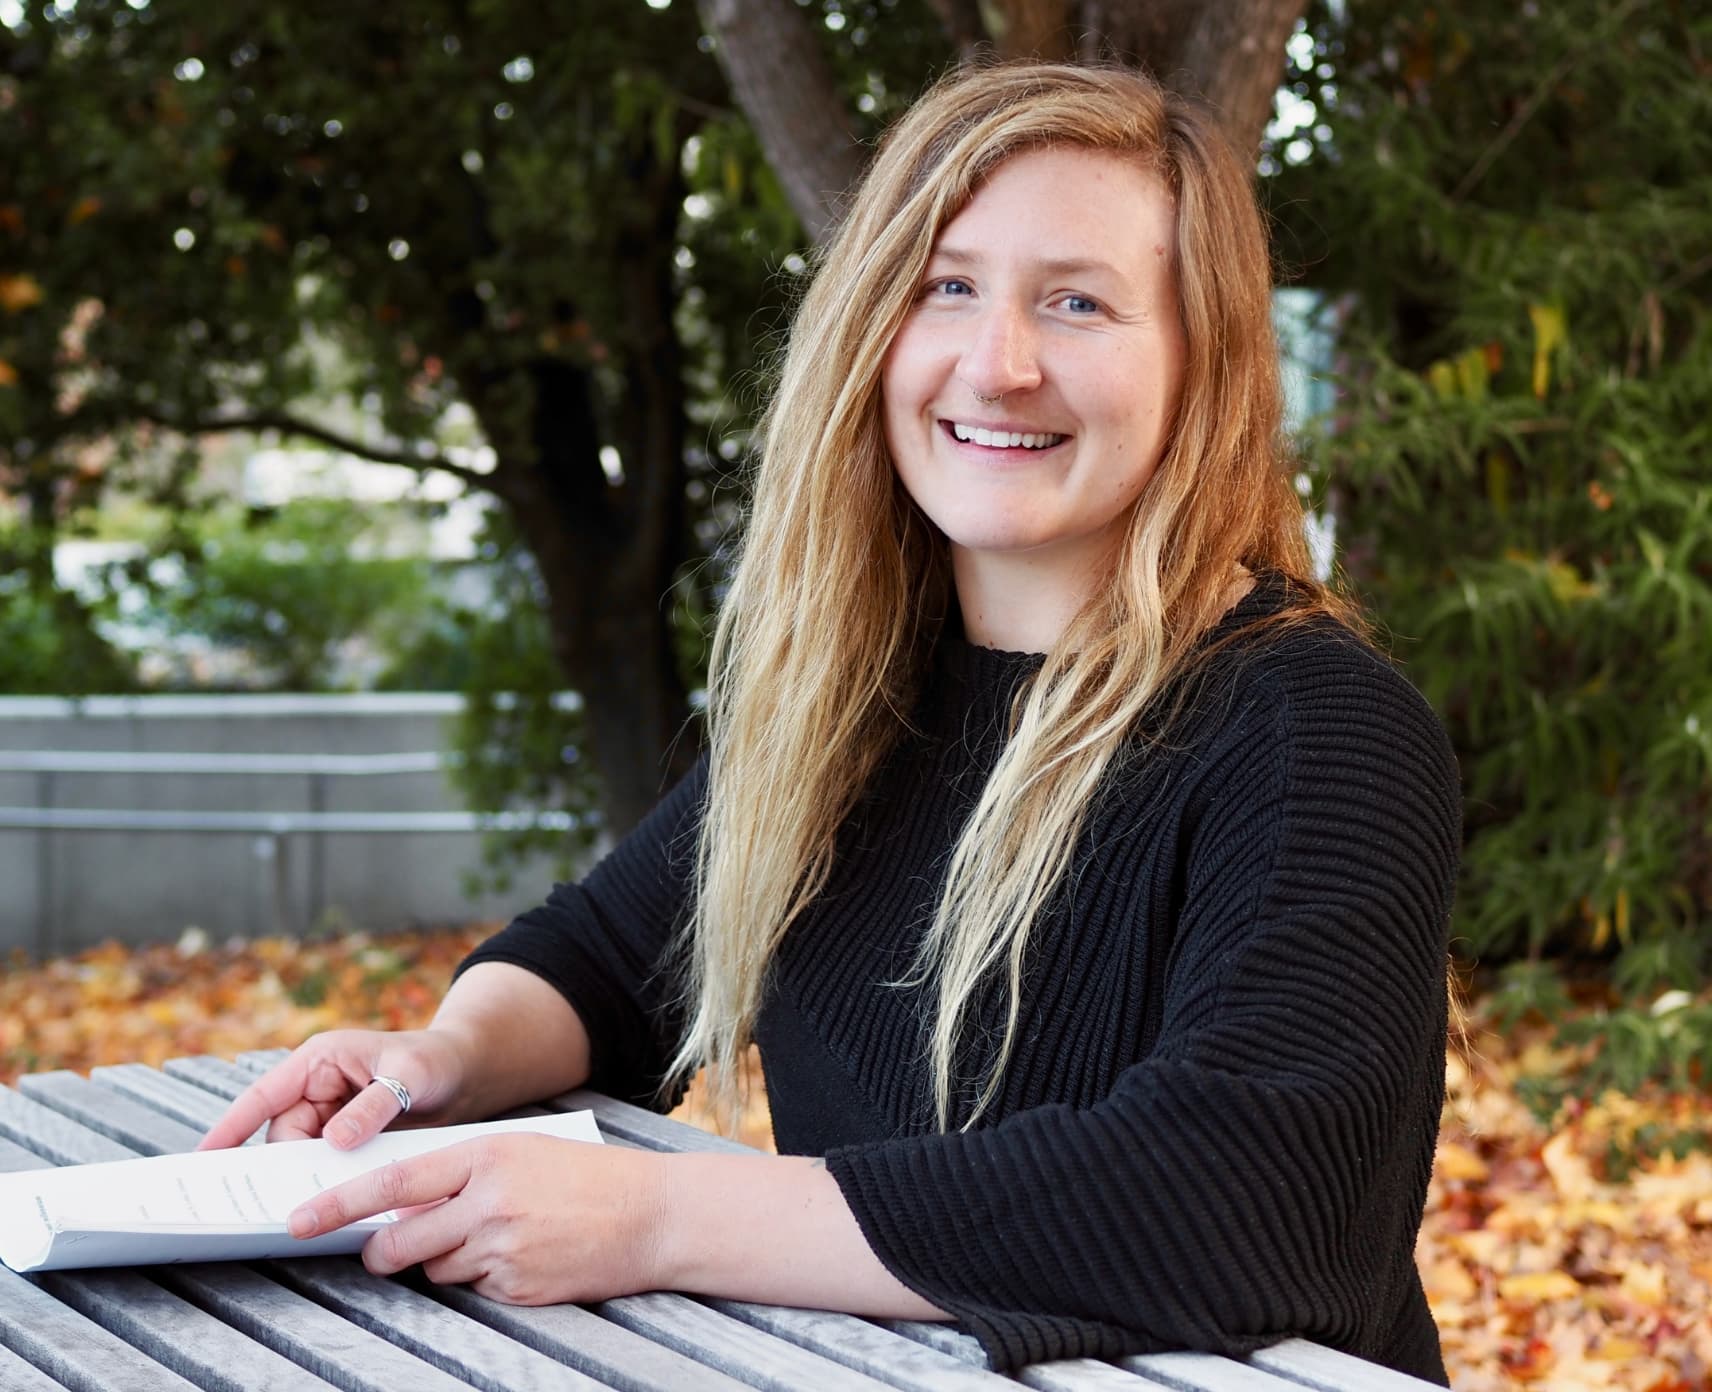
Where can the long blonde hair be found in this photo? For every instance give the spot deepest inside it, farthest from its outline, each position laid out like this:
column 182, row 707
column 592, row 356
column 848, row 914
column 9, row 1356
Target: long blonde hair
column 842, row 583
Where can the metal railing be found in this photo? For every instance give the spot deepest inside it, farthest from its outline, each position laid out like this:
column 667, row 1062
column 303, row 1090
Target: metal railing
column 273, row 833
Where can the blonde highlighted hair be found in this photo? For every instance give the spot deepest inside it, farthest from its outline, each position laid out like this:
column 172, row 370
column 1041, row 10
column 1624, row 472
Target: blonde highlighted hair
column 842, row 583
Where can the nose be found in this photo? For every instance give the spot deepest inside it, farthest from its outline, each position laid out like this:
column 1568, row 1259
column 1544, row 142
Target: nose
column 1003, row 355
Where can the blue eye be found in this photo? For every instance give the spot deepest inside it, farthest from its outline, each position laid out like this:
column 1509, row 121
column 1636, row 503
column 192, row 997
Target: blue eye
column 1081, row 304
column 952, row 286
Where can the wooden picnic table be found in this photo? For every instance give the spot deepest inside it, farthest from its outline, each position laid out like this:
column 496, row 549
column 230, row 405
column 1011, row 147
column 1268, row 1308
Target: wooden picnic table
column 320, row 1323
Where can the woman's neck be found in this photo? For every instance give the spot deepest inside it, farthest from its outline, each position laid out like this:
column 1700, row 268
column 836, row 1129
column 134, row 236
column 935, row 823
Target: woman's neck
column 1016, row 601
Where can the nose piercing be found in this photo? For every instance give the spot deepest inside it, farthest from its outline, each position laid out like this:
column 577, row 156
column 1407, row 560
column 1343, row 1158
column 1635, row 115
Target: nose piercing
column 986, row 400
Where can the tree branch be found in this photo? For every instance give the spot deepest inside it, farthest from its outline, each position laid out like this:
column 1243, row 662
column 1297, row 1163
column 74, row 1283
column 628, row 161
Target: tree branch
column 286, row 424
column 782, row 82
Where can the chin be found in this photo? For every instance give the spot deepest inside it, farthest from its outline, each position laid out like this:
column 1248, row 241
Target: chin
column 1017, row 543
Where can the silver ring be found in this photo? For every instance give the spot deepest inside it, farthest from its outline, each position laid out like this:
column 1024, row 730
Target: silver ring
column 396, row 1088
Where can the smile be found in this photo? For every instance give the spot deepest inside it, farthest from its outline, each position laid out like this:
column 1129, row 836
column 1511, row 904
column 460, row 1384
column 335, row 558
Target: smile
column 1003, row 439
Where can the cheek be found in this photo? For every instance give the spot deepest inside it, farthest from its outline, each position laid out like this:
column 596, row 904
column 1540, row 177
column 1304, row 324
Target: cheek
column 894, row 381
column 907, row 389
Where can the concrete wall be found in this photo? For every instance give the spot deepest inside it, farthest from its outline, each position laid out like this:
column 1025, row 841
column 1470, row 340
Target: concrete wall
column 63, row 890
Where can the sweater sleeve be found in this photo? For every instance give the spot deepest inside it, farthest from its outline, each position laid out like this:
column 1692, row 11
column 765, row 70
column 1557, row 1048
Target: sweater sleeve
column 1261, row 1172
column 603, row 943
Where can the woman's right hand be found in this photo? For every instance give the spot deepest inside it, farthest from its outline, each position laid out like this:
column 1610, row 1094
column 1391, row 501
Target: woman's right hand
column 325, row 1088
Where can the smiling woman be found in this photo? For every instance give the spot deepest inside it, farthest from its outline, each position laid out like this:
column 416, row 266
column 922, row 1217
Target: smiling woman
column 1081, row 873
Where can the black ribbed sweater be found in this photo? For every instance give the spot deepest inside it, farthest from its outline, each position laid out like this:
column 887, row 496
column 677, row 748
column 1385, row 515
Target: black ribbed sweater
column 1217, row 1126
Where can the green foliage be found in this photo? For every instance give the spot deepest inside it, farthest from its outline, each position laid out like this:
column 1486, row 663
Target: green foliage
column 50, row 644
column 1669, row 1042
column 440, row 191
column 290, row 589
column 1662, row 1049
column 1520, row 461
column 1527, row 988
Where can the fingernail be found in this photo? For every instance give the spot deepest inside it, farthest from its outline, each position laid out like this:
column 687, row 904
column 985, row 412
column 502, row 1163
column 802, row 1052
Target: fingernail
column 341, row 1133
column 301, row 1223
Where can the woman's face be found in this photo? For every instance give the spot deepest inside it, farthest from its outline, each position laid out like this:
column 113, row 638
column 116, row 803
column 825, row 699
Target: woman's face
column 1028, row 395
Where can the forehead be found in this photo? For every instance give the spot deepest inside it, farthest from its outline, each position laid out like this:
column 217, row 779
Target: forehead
column 1065, row 203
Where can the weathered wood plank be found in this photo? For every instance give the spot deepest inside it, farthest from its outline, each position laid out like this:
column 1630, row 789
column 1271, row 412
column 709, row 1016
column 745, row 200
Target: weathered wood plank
column 14, row 1157
column 1202, row 1372
column 1080, row 1375
column 118, row 1118
column 177, row 1335
column 260, row 1060
column 72, row 1349
column 172, row 1097
column 19, row 1376
column 751, row 1356
column 646, row 1128
column 58, row 1138
column 1327, row 1370
column 346, row 1355
column 466, row 1348
column 219, row 1076
column 867, row 1347
column 947, row 1338
column 581, row 1339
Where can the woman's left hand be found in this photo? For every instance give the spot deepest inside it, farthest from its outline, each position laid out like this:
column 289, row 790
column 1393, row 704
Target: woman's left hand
column 525, row 1219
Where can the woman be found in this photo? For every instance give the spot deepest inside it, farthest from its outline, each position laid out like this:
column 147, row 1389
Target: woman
column 1080, row 873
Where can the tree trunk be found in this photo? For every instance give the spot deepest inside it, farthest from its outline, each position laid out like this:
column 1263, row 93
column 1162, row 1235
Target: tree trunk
column 611, row 634
column 1035, row 29
column 780, row 78
column 609, row 551
column 608, row 585
column 1228, row 52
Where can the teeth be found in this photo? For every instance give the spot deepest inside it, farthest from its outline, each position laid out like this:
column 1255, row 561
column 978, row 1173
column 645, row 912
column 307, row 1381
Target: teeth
column 1002, row 439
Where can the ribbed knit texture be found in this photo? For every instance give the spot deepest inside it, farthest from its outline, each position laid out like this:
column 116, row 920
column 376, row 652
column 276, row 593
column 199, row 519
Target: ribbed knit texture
column 1217, row 1126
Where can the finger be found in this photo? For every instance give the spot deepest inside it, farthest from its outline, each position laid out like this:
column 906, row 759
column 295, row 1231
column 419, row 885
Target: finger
column 425, row 1235
column 301, row 1121
column 458, row 1267
column 365, row 1115
column 421, row 1179
column 267, row 1097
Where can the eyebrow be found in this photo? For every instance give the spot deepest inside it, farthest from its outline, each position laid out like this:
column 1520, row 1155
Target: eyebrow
column 1065, row 265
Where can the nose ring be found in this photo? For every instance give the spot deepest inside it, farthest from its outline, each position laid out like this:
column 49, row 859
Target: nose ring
column 986, row 400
